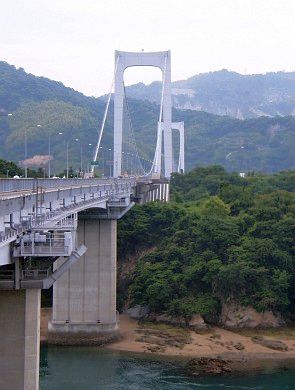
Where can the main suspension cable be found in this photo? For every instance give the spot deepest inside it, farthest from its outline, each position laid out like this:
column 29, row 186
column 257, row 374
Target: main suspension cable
column 104, row 117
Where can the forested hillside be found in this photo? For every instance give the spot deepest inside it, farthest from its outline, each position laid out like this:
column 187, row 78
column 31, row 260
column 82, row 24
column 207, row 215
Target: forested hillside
column 41, row 107
column 221, row 239
column 228, row 93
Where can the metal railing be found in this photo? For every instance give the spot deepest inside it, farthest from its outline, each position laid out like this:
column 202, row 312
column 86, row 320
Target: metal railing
column 35, row 274
column 28, row 274
column 10, row 185
column 6, row 275
column 58, row 244
column 10, row 233
column 103, row 189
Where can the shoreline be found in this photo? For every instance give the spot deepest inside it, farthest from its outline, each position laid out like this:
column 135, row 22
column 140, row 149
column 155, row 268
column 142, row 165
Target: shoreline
column 181, row 344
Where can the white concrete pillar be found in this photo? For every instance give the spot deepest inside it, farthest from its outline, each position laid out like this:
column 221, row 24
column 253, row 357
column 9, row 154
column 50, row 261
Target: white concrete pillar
column 167, row 118
column 2, row 225
column 163, row 192
column 118, row 115
column 181, row 148
column 20, row 339
column 167, row 193
column 84, row 298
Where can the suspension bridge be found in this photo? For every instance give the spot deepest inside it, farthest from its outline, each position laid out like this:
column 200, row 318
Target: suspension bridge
column 63, row 233
column 162, row 162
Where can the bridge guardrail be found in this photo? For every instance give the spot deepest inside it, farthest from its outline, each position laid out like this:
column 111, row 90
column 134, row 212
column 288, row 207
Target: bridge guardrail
column 6, row 275
column 10, row 185
column 36, row 274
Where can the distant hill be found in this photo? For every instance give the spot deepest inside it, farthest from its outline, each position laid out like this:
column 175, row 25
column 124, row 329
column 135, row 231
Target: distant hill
column 228, row 93
column 263, row 144
column 18, row 87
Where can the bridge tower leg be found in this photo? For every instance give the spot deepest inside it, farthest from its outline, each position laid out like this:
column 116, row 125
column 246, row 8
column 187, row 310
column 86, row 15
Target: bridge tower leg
column 167, row 118
column 181, row 148
column 180, row 127
column 84, row 298
column 20, row 331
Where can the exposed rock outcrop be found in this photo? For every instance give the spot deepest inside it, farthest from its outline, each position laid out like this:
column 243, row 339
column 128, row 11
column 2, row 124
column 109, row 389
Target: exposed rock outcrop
column 236, row 316
column 137, row 312
column 163, row 338
column 196, row 367
column 195, row 323
column 272, row 344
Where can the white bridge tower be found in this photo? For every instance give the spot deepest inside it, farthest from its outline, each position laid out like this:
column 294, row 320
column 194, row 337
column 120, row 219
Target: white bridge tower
column 160, row 60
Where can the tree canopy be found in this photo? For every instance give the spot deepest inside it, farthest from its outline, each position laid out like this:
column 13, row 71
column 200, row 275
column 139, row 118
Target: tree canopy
column 221, row 238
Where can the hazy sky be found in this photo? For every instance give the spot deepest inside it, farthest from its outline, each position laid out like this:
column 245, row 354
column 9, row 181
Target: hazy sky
column 73, row 41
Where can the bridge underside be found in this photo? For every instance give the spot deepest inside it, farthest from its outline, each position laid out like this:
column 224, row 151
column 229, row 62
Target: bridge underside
column 84, row 306
column 84, row 298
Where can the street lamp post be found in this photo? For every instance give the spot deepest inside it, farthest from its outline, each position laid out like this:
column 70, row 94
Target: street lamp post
column 26, row 150
column 87, row 166
column 81, row 156
column 103, row 162
column 26, row 155
column 82, row 153
column 110, row 162
column 67, row 156
column 49, row 157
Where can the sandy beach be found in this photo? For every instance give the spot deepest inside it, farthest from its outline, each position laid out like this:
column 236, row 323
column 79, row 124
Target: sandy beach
column 177, row 342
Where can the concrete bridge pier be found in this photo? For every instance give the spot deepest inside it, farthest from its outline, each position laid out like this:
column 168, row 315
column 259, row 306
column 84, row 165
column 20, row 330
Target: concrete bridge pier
column 20, row 339
column 84, row 298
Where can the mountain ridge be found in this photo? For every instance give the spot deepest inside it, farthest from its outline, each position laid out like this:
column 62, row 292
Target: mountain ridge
column 263, row 144
column 229, row 93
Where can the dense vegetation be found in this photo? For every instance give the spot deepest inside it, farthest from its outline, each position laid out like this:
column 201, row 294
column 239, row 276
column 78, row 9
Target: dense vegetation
column 228, row 93
column 263, row 144
column 9, row 169
column 222, row 238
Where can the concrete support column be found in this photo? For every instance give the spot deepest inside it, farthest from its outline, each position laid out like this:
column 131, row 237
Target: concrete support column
column 84, row 298
column 20, row 339
column 167, row 193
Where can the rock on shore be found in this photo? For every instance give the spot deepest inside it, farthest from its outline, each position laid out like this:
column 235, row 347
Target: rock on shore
column 213, row 366
column 235, row 316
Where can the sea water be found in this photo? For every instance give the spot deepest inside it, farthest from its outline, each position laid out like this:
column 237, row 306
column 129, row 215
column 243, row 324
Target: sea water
column 68, row 368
